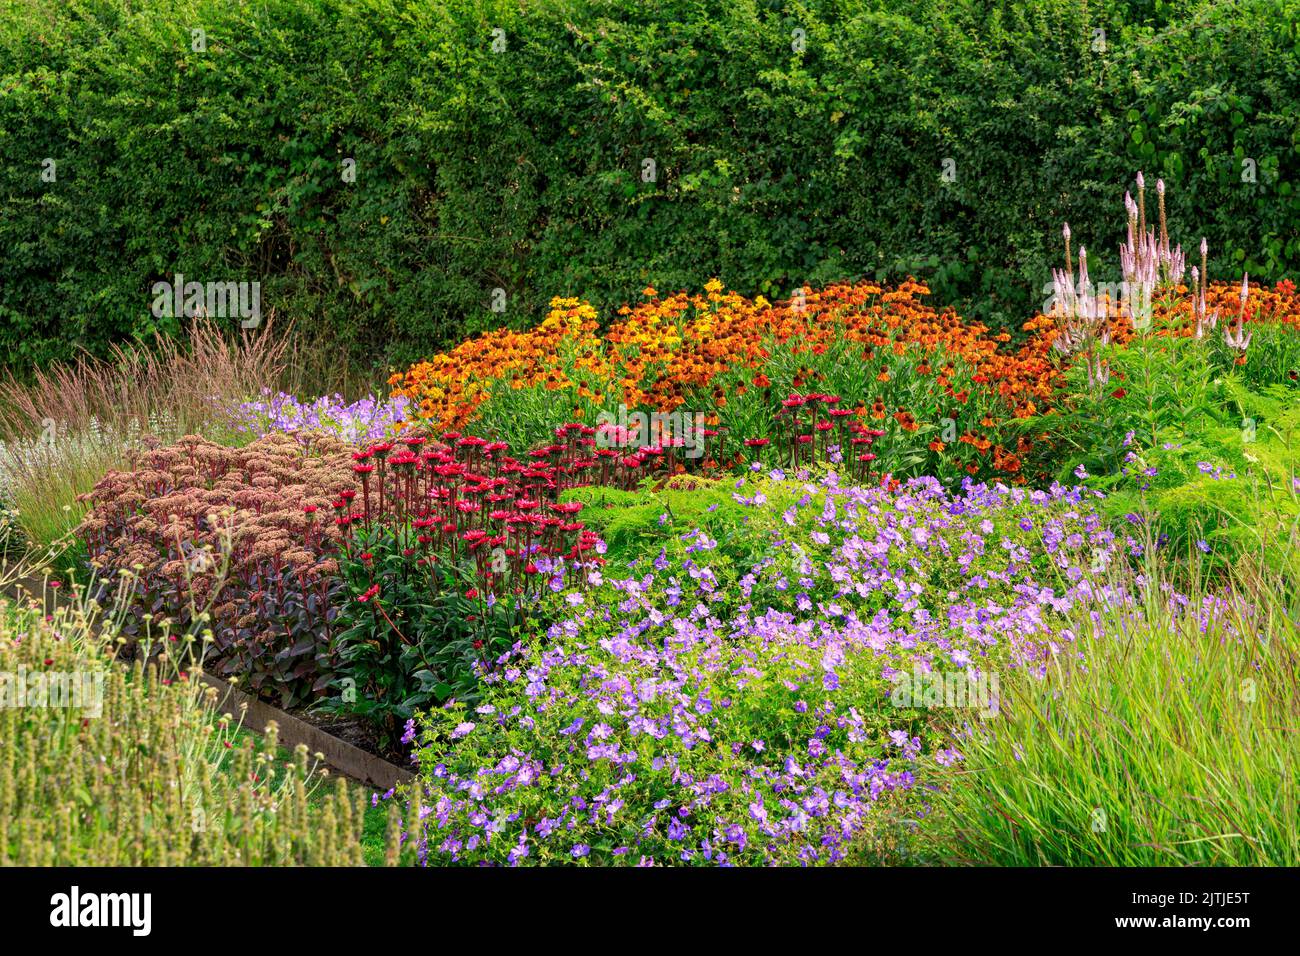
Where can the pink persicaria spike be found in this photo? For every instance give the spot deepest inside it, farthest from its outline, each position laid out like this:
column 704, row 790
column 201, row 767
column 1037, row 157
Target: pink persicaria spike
column 1160, row 186
column 1237, row 337
column 1198, row 304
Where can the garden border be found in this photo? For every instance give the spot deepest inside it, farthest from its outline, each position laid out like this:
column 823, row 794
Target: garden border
column 339, row 754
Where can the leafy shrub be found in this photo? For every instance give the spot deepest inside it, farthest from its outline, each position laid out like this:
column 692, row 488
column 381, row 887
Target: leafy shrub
column 414, row 632
column 1191, row 435
column 376, row 571
column 639, row 523
column 1227, row 484
column 439, row 556
column 521, row 169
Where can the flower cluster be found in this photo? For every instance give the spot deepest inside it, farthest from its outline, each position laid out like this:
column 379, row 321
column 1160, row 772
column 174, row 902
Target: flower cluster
column 814, row 428
column 884, row 350
column 227, row 538
column 365, row 420
column 458, row 495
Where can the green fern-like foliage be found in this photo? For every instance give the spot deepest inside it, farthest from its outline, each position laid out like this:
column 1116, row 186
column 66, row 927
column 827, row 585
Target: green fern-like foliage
column 662, row 515
column 1226, row 487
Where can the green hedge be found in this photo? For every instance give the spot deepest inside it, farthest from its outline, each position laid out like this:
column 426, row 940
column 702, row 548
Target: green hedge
column 521, row 169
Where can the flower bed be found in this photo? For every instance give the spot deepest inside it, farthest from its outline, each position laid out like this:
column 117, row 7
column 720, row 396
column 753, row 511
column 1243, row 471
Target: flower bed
column 950, row 393
column 707, row 712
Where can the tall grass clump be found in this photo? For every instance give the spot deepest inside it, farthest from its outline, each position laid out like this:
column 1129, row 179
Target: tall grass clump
column 1168, row 736
column 112, row 765
column 62, row 428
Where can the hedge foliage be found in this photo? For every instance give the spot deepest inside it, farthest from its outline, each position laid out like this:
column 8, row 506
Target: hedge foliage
column 792, row 142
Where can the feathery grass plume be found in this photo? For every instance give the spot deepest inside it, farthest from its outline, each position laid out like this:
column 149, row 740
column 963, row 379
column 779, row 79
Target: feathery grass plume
column 63, row 427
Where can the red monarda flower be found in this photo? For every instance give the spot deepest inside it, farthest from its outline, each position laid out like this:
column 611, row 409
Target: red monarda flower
column 472, row 593
column 370, row 592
